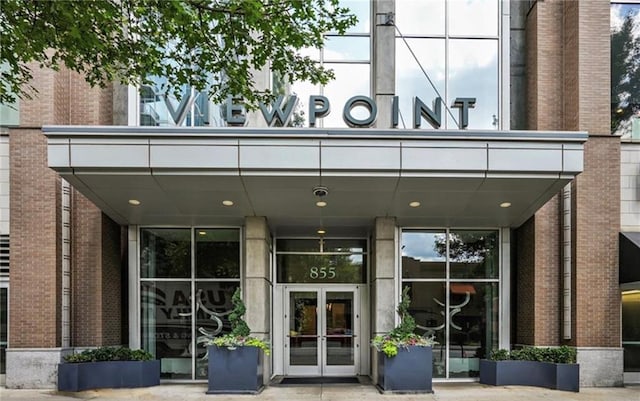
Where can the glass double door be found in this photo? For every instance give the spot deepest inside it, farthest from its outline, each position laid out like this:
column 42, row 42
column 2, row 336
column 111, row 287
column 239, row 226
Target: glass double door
column 321, row 330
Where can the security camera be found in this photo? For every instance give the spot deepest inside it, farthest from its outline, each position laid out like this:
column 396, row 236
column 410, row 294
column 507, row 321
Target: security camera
column 320, row 191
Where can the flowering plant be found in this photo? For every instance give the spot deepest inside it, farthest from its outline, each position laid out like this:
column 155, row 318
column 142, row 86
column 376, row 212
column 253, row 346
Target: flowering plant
column 403, row 335
column 240, row 332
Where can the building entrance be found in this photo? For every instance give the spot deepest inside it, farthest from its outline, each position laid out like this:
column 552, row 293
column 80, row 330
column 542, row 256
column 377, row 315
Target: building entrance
column 321, row 326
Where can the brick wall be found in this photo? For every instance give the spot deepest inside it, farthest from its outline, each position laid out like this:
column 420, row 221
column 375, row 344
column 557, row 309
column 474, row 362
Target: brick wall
column 567, row 89
column 62, row 98
column 35, row 261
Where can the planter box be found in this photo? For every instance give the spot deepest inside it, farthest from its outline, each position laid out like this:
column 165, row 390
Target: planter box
column 111, row 374
column 237, row 371
column 411, row 371
column 558, row 376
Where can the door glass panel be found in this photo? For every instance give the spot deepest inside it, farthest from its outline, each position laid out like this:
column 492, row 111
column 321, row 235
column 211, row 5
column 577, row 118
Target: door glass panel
column 473, row 313
column 339, row 328
column 631, row 329
column 303, row 328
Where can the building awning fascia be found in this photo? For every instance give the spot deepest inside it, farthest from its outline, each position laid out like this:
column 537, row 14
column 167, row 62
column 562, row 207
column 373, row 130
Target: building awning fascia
column 181, row 174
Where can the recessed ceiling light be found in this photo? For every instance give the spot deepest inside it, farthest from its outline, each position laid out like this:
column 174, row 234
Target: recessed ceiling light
column 321, row 203
column 321, row 231
column 134, row 202
column 414, row 204
column 227, row 203
column 202, row 232
column 505, row 204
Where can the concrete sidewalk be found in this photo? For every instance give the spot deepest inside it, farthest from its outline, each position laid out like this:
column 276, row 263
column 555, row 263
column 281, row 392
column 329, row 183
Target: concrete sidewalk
column 442, row 392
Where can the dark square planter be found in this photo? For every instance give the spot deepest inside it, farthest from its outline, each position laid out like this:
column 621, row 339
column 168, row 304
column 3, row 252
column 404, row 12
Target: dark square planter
column 235, row 371
column 557, row 376
column 411, row 371
column 110, row 374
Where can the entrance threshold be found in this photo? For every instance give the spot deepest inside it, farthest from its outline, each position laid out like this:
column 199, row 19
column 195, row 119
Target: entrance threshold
column 319, row 380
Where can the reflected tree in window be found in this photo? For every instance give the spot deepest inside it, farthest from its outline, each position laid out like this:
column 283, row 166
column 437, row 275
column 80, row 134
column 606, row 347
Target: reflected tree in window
column 625, row 70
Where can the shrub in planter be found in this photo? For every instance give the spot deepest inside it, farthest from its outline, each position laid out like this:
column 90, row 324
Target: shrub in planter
column 404, row 358
column 235, row 359
column 108, row 367
column 554, row 368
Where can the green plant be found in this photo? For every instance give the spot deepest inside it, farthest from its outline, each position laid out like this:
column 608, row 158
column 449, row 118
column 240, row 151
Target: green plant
column 563, row 354
column 103, row 354
column 402, row 336
column 240, row 332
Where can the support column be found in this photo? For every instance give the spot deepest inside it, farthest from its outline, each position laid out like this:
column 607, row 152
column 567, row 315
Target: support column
column 384, row 60
column 258, row 287
column 384, row 294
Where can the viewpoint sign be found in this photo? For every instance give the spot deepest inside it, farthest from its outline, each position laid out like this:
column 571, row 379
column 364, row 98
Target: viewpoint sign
column 279, row 113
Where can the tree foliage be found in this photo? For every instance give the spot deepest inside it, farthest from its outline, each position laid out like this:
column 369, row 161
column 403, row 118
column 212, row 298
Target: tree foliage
column 625, row 74
column 211, row 45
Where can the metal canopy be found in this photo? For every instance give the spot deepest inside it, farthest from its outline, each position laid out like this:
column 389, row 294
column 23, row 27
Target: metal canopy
column 182, row 175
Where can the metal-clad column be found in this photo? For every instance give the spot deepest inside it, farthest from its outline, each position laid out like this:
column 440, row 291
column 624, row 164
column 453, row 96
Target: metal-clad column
column 566, row 262
column 66, row 265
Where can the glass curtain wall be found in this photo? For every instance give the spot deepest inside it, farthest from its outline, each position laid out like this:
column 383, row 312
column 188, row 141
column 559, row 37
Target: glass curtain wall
column 187, row 279
column 457, row 43
column 349, row 56
column 453, row 276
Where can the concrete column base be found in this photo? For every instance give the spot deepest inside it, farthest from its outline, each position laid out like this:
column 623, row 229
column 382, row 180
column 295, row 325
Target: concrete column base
column 33, row 368
column 601, row 367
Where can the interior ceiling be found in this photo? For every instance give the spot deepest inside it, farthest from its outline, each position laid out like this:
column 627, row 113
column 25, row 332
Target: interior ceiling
column 288, row 202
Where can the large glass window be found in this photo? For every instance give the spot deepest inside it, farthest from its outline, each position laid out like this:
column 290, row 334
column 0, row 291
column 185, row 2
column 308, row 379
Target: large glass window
column 461, row 58
column 349, row 56
column 625, row 69
column 184, row 273
column 454, row 280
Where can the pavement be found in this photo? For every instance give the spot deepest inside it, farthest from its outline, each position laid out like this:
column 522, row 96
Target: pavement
column 334, row 392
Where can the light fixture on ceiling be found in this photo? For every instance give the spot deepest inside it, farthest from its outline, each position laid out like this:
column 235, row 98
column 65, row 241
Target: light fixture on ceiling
column 414, row 204
column 202, row 232
column 320, row 192
column 134, row 202
column 227, row 202
column 321, row 231
column 321, row 203
column 505, row 204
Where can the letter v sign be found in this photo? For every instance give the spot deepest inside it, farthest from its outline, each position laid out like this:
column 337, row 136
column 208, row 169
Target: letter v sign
column 183, row 108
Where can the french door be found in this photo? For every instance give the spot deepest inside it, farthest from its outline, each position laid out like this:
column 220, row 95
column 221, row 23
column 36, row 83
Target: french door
column 322, row 330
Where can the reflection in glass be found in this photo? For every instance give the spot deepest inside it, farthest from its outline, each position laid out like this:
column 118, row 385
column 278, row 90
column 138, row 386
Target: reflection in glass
column 298, row 245
column 360, row 8
column 474, row 254
column 625, row 75
column 473, row 313
column 411, row 81
column 346, row 48
column 631, row 330
column 420, row 17
column 213, row 306
column 165, row 253
column 351, row 80
column 473, row 17
column 423, row 254
column 303, row 328
column 473, row 72
column 426, row 308
column 339, row 328
column 217, row 253
column 165, row 320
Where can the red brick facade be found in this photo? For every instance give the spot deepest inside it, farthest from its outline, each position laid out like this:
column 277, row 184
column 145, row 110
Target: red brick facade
column 36, row 227
column 567, row 51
